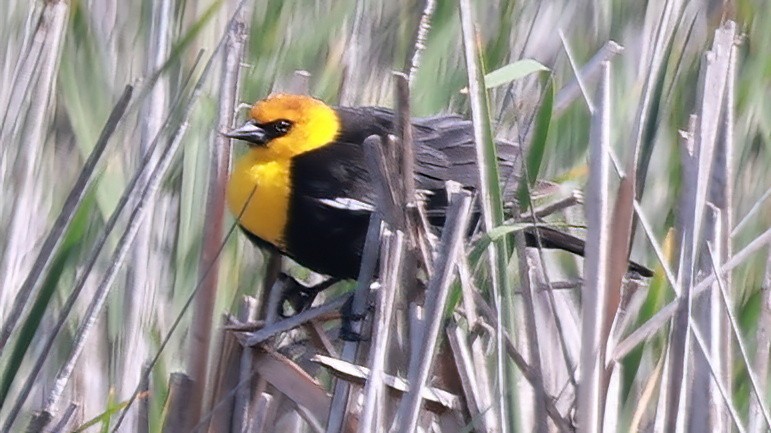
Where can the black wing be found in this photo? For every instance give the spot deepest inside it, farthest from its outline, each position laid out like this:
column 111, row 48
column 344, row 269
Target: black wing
column 444, row 146
column 334, row 171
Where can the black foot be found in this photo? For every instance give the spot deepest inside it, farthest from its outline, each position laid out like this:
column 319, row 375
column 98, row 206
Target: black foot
column 298, row 296
column 349, row 332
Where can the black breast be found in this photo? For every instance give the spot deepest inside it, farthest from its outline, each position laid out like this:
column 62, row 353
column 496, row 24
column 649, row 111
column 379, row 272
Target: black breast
column 326, row 238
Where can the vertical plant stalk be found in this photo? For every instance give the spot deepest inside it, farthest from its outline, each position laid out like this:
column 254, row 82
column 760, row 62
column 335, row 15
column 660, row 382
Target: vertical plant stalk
column 36, row 55
column 26, row 225
column 421, row 35
column 664, row 33
column 760, row 362
column 32, row 121
column 678, row 356
column 722, row 390
column 177, row 407
column 225, row 378
column 16, row 93
column 469, row 371
column 260, row 412
column 341, row 393
column 705, row 413
column 621, row 227
column 528, row 293
column 710, row 108
column 698, row 168
column 721, row 195
column 591, row 396
column 406, row 157
column 621, row 222
column 529, row 306
column 490, row 197
column 479, row 377
column 144, row 275
column 244, row 396
column 356, row 56
column 450, row 246
column 375, row 403
column 200, row 340
column 400, row 170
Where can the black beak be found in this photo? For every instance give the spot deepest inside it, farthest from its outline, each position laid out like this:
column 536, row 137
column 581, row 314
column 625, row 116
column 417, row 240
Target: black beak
column 250, row 132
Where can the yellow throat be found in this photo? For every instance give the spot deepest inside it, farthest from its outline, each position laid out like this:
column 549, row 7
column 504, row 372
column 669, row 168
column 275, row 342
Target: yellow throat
column 258, row 196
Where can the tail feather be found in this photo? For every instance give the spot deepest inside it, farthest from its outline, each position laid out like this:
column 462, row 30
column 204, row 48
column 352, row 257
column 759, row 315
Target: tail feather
column 554, row 239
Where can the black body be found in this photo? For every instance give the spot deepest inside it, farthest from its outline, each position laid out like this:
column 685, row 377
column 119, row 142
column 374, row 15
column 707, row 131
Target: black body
column 329, row 240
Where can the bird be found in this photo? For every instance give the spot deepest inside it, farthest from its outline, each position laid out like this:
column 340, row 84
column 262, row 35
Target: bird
column 303, row 188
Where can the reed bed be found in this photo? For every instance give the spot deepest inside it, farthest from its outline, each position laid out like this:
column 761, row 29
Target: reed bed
column 129, row 301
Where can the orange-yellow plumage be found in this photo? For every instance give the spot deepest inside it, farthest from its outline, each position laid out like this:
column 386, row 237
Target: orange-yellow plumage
column 315, row 124
column 258, row 197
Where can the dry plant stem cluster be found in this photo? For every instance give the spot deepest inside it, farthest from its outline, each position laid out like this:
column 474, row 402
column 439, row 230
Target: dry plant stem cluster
column 546, row 360
column 139, row 192
column 378, row 384
column 492, row 215
column 214, row 212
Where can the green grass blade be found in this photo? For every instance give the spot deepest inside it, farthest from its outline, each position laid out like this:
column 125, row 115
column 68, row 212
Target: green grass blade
column 537, row 148
column 512, row 71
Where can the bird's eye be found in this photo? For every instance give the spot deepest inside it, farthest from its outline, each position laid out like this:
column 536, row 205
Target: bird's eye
column 282, row 126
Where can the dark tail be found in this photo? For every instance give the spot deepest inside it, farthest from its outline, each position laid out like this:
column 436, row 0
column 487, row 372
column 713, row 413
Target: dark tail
column 555, row 239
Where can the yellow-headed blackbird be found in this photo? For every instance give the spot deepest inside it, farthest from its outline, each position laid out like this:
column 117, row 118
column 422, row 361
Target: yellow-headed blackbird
column 304, row 189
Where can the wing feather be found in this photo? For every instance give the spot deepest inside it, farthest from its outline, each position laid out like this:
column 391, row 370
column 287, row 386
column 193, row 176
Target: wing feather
column 444, row 146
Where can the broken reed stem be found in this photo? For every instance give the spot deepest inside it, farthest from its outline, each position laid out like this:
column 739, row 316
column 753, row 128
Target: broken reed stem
column 391, row 276
column 458, row 214
column 274, row 328
column 339, row 405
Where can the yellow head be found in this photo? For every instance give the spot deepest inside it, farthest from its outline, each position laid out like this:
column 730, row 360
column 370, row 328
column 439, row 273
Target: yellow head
column 284, row 125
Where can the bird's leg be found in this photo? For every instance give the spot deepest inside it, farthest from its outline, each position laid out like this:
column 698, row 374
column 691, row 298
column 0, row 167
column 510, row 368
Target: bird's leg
column 348, row 317
column 299, row 296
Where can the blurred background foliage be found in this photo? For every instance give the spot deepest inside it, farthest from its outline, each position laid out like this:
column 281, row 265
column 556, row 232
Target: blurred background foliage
column 60, row 76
